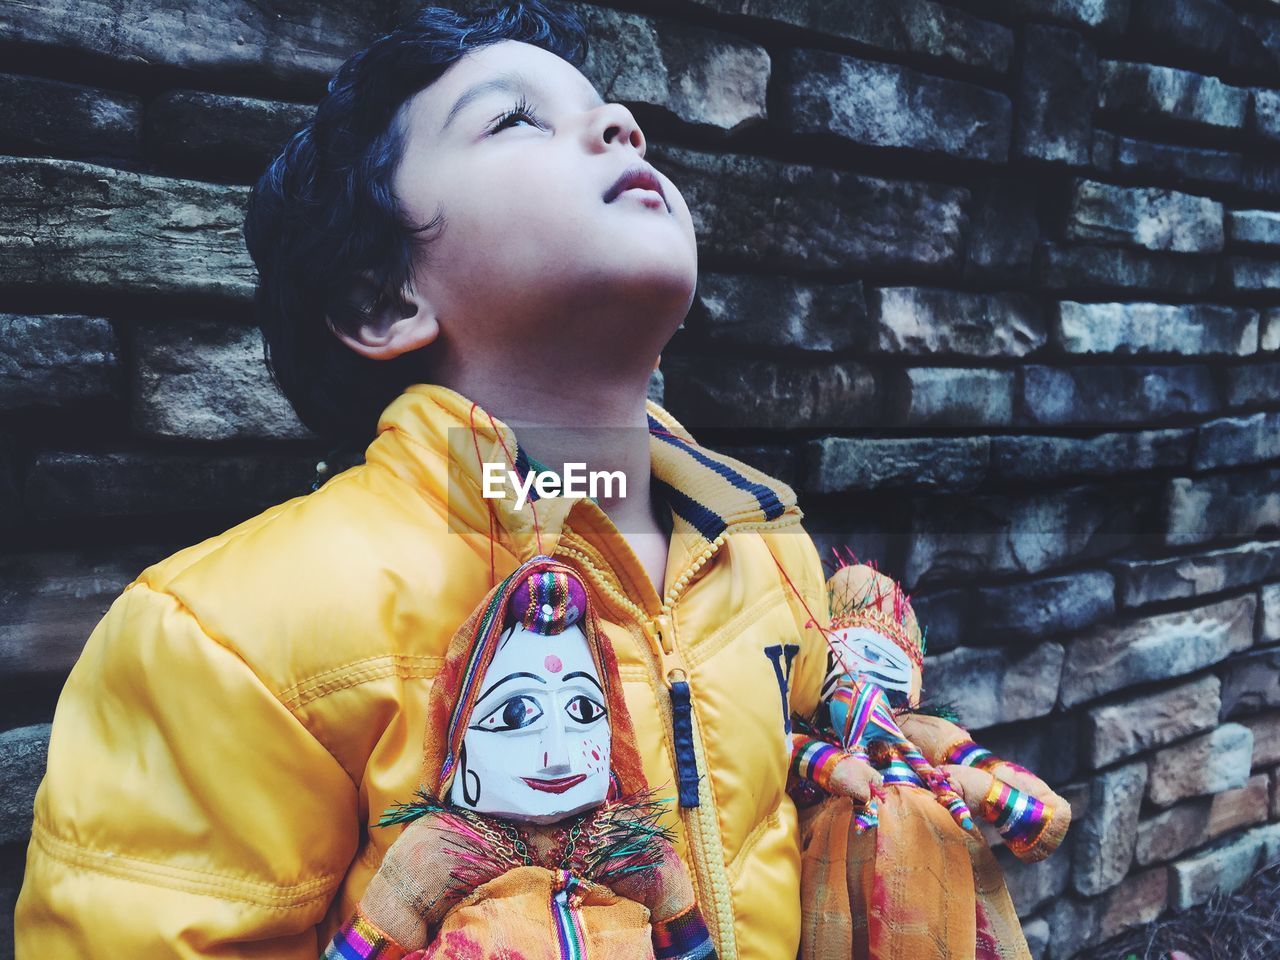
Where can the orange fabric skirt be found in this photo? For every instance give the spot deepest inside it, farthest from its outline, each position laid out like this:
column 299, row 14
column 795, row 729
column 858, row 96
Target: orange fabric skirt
column 916, row 887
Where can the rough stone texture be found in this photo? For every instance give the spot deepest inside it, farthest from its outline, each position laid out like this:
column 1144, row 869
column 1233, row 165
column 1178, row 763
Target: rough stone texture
column 93, row 229
column 834, row 219
column 922, row 321
column 56, row 360
column 1210, row 763
column 885, row 105
column 1266, row 114
column 1269, row 614
column 220, row 134
column 951, row 396
column 1251, row 274
column 1269, row 336
column 1115, row 394
column 1157, row 92
column 68, row 119
column 849, row 464
column 1049, row 746
column 769, row 394
column 1195, row 822
column 1146, row 217
column 1139, row 899
column 1235, row 505
column 1253, row 385
column 1166, row 645
column 1003, row 229
column 1223, row 869
column 1106, row 16
column 1031, row 457
column 1032, row 885
column 1266, row 738
column 900, row 26
column 1045, row 605
column 22, row 758
column 291, row 41
column 1131, row 270
column 1260, row 227
column 1037, row 935
column 1251, row 682
column 1151, row 581
column 1163, row 161
column 1057, row 88
column 1118, row 730
column 1136, row 328
column 1103, row 845
column 1201, row 28
column 1073, row 924
column 207, row 381
column 779, row 311
column 706, row 78
column 1238, row 440
column 999, row 686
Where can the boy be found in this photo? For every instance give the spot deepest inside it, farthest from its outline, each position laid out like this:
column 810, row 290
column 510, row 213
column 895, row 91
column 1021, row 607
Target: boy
column 465, row 244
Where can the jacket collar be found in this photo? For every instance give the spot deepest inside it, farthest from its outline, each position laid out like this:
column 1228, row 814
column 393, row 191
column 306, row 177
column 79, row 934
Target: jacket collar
column 438, row 439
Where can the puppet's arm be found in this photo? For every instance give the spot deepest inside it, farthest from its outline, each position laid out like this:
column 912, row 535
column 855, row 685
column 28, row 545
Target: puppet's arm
column 1030, row 816
column 679, row 931
column 817, row 763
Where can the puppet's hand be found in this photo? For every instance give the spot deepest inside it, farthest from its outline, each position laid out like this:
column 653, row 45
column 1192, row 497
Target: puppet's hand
column 853, row 777
column 1032, row 826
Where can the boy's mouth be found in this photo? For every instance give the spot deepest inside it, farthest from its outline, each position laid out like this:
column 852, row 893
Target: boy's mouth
column 642, row 176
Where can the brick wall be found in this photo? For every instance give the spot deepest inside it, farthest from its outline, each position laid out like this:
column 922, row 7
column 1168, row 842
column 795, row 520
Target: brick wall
column 994, row 283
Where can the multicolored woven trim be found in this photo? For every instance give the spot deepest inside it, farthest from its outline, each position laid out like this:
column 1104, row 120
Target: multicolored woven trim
column 568, row 917
column 966, row 753
column 1020, row 817
column 548, row 602
column 683, row 937
column 360, row 939
column 814, row 760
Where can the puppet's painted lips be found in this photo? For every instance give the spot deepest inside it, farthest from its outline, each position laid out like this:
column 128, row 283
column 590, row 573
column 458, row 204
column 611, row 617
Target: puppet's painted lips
column 555, row 786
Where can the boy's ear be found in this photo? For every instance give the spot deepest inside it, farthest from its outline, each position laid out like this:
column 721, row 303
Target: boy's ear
column 395, row 325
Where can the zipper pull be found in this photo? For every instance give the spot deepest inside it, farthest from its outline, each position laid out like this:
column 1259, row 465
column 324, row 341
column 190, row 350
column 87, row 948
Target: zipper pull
column 681, row 712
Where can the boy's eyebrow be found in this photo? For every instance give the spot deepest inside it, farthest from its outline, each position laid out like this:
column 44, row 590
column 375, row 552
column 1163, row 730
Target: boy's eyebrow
column 512, row 82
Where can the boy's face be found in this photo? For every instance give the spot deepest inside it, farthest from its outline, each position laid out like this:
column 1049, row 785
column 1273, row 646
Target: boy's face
column 530, row 252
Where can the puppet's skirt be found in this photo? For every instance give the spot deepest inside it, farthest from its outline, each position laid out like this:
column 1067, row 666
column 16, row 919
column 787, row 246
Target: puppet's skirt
column 916, row 887
column 531, row 913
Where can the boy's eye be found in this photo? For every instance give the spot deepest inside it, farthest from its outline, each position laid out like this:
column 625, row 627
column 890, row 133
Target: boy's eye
column 583, row 709
column 521, row 111
column 513, row 714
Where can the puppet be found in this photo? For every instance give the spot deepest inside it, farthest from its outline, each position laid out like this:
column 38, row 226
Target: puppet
column 534, row 835
column 892, row 864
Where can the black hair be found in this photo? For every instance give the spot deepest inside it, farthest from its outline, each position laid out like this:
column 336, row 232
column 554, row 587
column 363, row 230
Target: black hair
column 323, row 226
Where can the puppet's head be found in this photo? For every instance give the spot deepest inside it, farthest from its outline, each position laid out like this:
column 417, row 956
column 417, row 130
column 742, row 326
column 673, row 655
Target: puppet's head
column 526, row 720
column 874, row 633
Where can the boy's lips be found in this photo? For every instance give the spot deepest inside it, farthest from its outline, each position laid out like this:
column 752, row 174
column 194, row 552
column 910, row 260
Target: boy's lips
column 640, row 176
column 555, row 786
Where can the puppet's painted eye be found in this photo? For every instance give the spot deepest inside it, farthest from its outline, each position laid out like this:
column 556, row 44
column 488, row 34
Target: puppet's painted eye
column 871, row 653
column 519, row 711
column 583, row 709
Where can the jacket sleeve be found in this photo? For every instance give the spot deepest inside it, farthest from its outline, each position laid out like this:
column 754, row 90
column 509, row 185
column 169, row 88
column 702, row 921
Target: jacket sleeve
column 807, row 593
column 184, row 812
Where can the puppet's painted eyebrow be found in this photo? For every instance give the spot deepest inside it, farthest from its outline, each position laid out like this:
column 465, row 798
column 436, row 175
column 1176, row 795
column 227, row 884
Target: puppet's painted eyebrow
column 509, row 676
column 502, row 83
column 584, row 676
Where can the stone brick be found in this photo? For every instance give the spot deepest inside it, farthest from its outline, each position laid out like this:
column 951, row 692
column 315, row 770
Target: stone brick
column 1254, row 226
column 1223, row 869
column 68, row 119
column 22, row 758
column 1269, row 337
column 1238, row 440
column 1103, row 845
column 70, row 485
column 1147, row 217
column 1256, row 384
column 920, row 27
column 204, row 380
column 1031, row 885
column 1003, row 230
column 950, row 397
column 1147, row 91
column 765, row 394
column 991, row 535
column 1165, row 161
column 1056, row 89
column 1029, row 457
column 833, row 219
column 1049, row 746
column 1234, row 505
column 706, row 78
column 225, row 38
column 1136, row 328
column 1198, row 29
column 1266, row 113
column 221, row 134
column 946, row 614
column 1275, row 795
column 1119, row 730
column 1074, row 925
column 57, row 360
column 1171, row 833
column 1213, row 571
column 1158, row 647
column 886, row 105
column 922, row 321
column 1036, row 933
column 1139, row 899
column 765, row 311
column 1242, row 807
column 51, row 600
column 1251, row 274
column 1266, row 738
column 92, row 229
column 1113, row 394
column 1000, row 686
column 848, row 464
column 1045, row 605
column 1210, row 763
column 1269, row 614
column 1069, row 267
column 1260, row 175
column 1251, row 682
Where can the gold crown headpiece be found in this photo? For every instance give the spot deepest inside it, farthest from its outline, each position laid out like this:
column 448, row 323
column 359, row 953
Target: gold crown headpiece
column 865, row 597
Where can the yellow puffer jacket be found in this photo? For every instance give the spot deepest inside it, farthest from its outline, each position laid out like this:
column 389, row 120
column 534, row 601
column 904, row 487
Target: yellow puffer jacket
column 249, row 705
